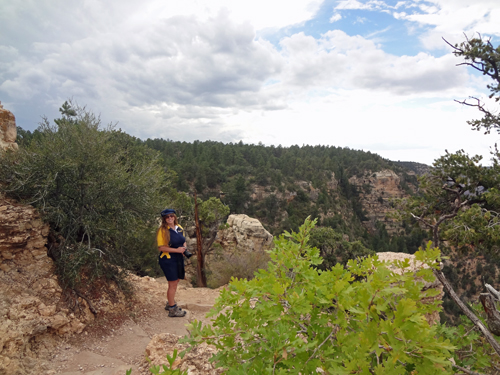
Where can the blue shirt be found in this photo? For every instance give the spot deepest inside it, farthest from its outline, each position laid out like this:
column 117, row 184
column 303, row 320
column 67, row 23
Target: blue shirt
column 176, row 238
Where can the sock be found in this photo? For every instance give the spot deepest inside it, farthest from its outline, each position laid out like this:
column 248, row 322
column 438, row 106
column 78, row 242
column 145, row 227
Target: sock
column 171, row 307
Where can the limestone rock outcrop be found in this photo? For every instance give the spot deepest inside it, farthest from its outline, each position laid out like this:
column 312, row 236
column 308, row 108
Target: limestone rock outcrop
column 244, row 234
column 8, row 130
column 414, row 267
column 31, row 312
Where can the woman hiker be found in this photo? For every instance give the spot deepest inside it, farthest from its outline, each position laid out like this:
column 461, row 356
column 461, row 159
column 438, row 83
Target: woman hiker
column 171, row 244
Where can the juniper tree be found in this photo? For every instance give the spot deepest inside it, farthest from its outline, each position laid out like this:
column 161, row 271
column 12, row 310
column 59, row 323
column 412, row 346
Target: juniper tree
column 97, row 187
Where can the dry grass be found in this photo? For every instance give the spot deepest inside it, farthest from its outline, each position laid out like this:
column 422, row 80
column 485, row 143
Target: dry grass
column 241, row 265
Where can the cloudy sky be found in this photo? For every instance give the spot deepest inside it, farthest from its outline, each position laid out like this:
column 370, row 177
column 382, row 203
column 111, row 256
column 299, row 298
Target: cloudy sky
column 365, row 74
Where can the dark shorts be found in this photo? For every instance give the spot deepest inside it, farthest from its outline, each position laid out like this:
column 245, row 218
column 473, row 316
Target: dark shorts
column 173, row 268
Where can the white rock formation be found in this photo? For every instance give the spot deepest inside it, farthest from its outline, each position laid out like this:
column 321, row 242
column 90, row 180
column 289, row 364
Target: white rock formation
column 8, row 130
column 244, row 234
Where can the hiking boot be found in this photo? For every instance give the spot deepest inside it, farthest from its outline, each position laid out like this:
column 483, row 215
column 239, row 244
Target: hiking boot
column 167, row 307
column 176, row 312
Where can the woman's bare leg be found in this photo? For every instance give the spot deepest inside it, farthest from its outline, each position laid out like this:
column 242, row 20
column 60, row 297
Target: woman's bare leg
column 172, row 289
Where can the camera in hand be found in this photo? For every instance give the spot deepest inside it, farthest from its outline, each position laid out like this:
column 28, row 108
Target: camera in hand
column 188, row 254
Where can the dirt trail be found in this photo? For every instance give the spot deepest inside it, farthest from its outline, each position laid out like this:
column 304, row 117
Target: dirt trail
column 113, row 345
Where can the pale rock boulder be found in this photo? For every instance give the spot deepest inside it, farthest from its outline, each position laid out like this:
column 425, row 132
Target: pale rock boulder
column 414, row 267
column 244, row 234
column 8, row 130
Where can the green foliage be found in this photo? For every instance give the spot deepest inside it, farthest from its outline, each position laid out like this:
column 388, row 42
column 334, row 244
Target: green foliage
column 472, row 350
column 459, row 200
column 232, row 168
column 237, row 193
column 460, row 194
column 477, row 226
column 212, row 212
column 408, row 241
column 293, row 318
column 24, row 137
column 98, row 188
column 238, row 170
column 334, row 249
column 481, row 55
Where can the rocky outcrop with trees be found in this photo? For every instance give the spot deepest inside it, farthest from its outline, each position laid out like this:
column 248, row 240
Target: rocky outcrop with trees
column 378, row 190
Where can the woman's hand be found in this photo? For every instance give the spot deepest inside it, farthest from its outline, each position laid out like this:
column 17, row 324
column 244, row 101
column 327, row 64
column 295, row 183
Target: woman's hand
column 184, row 246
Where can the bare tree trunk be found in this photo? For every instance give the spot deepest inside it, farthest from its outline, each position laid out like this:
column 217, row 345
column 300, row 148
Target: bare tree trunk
column 200, row 257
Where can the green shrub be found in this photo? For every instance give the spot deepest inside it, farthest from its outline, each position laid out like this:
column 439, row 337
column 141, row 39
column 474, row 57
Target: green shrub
column 293, row 318
column 334, row 249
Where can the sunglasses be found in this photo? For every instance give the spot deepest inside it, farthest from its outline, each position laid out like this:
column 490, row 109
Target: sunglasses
column 169, row 216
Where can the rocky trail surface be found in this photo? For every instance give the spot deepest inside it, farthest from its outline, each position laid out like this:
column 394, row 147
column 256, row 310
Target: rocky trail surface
column 116, row 343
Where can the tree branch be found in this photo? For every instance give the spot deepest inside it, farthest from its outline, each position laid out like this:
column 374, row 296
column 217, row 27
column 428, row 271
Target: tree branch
column 468, row 372
column 474, row 319
column 320, row 345
column 91, row 307
column 492, row 291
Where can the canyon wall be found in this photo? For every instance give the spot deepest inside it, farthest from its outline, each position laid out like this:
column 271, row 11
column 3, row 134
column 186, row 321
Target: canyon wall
column 377, row 191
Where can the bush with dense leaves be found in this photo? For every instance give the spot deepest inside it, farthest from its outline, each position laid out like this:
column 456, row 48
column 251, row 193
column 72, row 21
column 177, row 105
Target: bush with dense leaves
column 293, row 318
column 98, row 188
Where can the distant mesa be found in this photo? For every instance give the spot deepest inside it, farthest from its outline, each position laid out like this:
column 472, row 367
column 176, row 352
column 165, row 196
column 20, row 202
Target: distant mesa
column 8, row 130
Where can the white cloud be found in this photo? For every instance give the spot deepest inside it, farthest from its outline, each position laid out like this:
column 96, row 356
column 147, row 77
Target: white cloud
column 192, row 70
column 438, row 18
column 339, row 60
column 335, row 17
column 450, row 19
column 355, row 4
column 178, row 60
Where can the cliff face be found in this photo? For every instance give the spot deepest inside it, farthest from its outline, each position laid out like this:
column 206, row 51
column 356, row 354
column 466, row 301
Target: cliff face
column 30, row 296
column 376, row 192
